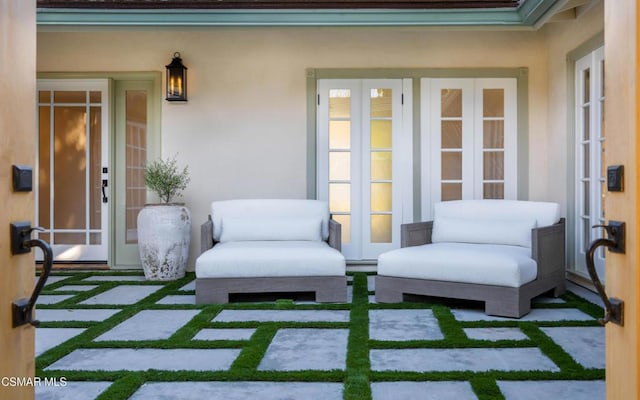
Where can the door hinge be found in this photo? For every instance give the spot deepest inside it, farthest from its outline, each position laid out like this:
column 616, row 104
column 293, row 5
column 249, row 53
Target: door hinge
column 402, row 99
column 318, row 99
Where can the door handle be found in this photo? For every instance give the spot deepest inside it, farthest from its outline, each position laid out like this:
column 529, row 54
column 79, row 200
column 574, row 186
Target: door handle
column 105, row 183
column 21, row 243
column 615, row 242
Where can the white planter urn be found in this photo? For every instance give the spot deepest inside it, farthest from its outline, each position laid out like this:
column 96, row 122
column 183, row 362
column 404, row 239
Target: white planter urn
column 164, row 235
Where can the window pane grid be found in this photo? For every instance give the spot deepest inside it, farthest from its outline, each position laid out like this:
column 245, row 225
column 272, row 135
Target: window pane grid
column 493, row 151
column 339, row 179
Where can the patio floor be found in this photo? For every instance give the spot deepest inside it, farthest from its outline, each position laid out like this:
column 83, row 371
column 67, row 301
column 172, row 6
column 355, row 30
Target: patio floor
column 116, row 336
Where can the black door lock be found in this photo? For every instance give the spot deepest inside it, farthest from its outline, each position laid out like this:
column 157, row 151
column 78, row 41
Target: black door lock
column 21, row 243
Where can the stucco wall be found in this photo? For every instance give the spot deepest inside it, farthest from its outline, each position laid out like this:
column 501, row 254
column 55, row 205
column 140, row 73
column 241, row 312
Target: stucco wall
column 561, row 39
column 243, row 131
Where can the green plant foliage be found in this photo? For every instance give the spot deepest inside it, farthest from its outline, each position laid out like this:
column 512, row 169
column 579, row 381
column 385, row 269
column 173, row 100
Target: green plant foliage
column 165, row 178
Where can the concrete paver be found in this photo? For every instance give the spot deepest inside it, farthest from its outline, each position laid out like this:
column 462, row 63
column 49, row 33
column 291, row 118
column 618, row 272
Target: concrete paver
column 427, row 390
column 399, row 325
column 71, row 390
column 565, row 390
column 283, row 315
column 145, row 359
column 149, row 325
column 75, row 314
column 475, row 359
column 300, row 349
column 47, row 338
column 584, row 344
column 126, row 294
column 239, row 390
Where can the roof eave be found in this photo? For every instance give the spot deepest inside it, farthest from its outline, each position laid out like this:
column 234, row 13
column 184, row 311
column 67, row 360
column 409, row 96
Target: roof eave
column 525, row 17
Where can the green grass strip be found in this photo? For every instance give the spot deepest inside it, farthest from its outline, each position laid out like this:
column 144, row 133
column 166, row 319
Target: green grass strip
column 357, row 375
column 450, row 327
column 250, row 357
column 123, row 388
column 356, row 385
column 486, row 388
column 552, row 350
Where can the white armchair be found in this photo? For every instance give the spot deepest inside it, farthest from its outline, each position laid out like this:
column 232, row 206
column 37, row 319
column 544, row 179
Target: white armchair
column 501, row 252
column 270, row 246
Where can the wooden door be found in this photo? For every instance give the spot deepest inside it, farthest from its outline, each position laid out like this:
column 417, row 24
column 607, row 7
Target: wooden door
column 17, row 141
column 622, row 119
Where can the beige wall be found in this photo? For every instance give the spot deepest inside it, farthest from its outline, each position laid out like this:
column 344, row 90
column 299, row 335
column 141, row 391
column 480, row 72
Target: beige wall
column 558, row 150
column 562, row 38
column 243, row 131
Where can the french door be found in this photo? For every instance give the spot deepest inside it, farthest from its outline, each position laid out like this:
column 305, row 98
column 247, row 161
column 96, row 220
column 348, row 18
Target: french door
column 136, row 142
column 590, row 173
column 72, row 172
column 469, row 140
column 364, row 154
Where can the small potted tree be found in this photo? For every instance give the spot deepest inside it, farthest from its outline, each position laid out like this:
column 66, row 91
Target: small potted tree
column 164, row 229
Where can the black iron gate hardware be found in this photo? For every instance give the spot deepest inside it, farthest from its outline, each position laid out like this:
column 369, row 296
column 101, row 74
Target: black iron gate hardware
column 21, row 243
column 615, row 242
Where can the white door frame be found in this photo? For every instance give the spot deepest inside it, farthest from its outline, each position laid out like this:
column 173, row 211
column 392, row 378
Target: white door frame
column 359, row 246
column 590, row 161
column 79, row 252
column 472, row 149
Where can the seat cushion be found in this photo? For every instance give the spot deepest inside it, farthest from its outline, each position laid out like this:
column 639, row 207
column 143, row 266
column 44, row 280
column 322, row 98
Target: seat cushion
column 270, row 259
column 484, row 264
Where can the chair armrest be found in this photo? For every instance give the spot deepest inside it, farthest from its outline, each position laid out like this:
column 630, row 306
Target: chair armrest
column 548, row 249
column 206, row 235
column 335, row 235
column 415, row 234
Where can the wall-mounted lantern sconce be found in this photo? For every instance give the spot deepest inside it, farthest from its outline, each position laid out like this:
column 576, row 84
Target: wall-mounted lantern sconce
column 176, row 79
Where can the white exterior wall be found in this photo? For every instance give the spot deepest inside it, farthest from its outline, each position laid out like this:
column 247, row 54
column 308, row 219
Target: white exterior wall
column 243, row 131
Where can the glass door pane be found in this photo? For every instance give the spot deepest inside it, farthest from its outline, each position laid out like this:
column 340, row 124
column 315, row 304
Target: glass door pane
column 359, row 122
column 493, row 143
column 468, row 140
column 451, row 144
column 136, row 156
column 340, row 188
column 381, row 164
column 71, row 168
column 381, row 132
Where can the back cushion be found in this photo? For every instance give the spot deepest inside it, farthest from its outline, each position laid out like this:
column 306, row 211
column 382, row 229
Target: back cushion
column 491, row 221
column 271, row 209
column 516, row 232
column 243, row 229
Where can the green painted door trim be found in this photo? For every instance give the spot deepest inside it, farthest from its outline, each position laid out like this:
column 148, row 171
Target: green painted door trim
column 522, row 79
column 528, row 16
column 126, row 255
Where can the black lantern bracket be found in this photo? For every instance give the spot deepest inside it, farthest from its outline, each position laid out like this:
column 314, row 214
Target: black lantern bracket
column 176, row 79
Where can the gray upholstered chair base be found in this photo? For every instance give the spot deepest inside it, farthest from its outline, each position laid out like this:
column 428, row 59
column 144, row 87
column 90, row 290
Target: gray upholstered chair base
column 548, row 249
column 499, row 300
column 327, row 289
